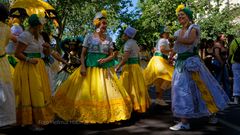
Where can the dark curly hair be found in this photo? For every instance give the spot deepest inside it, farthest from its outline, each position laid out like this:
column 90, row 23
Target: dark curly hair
column 4, row 13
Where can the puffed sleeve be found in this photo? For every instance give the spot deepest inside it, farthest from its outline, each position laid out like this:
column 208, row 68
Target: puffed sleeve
column 86, row 41
column 127, row 47
column 196, row 27
column 24, row 38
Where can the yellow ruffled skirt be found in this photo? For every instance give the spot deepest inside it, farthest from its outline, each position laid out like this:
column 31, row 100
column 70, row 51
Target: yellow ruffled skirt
column 133, row 81
column 5, row 70
column 33, row 94
column 97, row 97
column 158, row 72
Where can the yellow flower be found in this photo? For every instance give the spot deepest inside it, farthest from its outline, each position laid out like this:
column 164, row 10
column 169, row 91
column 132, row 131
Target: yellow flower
column 104, row 13
column 179, row 8
column 96, row 22
column 41, row 14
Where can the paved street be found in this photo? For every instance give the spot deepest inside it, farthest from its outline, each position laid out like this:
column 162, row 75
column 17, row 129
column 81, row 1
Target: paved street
column 155, row 122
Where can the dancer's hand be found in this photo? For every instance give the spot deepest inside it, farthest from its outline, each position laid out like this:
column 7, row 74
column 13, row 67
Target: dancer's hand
column 83, row 71
column 116, row 69
column 46, row 45
column 101, row 61
column 170, row 61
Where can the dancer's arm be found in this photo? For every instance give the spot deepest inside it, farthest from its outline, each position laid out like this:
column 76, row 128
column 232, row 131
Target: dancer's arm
column 190, row 39
column 83, row 67
column 123, row 61
column 109, row 58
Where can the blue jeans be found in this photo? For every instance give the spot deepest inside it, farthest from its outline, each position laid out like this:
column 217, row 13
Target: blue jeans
column 236, row 79
column 222, row 76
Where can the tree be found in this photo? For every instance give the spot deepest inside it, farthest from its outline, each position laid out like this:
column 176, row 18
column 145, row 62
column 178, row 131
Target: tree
column 218, row 21
column 212, row 16
column 152, row 14
column 75, row 16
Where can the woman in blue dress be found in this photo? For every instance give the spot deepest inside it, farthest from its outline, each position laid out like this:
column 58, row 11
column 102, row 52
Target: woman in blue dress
column 195, row 92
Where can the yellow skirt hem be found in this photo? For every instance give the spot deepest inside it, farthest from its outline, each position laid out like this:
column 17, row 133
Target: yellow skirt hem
column 151, row 81
column 84, row 111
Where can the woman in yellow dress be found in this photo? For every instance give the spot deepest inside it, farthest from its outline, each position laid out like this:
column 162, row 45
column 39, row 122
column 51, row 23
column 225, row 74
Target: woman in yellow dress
column 131, row 76
column 159, row 71
column 7, row 97
column 93, row 93
column 31, row 83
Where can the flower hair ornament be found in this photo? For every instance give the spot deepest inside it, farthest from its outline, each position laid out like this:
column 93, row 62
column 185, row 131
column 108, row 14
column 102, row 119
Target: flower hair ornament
column 186, row 10
column 99, row 16
column 179, row 8
column 41, row 16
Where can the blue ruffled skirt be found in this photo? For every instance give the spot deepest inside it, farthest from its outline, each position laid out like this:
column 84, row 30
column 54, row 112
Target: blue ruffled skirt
column 187, row 99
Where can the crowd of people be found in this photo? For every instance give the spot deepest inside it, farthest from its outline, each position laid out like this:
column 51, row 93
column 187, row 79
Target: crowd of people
column 37, row 84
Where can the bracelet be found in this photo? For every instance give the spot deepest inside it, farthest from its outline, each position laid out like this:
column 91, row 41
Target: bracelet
column 27, row 59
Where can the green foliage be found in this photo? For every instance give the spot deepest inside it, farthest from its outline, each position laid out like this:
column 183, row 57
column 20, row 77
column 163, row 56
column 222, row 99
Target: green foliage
column 75, row 17
column 218, row 21
column 5, row 2
column 152, row 14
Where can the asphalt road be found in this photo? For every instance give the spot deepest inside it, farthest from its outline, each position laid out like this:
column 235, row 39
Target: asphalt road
column 155, row 122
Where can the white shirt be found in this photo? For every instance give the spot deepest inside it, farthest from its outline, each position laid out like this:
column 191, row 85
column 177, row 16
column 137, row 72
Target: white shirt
column 132, row 47
column 33, row 45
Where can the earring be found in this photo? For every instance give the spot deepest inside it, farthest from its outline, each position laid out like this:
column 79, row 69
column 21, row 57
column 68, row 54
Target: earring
column 98, row 30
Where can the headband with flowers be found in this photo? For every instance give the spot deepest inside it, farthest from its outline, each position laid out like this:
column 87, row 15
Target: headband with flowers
column 98, row 16
column 187, row 11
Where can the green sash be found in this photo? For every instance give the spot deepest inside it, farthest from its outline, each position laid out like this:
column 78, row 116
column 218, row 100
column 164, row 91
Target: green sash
column 92, row 60
column 33, row 55
column 132, row 61
column 161, row 55
column 182, row 57
column 12, row 61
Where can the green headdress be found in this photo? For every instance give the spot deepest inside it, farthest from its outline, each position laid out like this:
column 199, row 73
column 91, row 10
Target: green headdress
column 187, row 11
column 35, row 20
